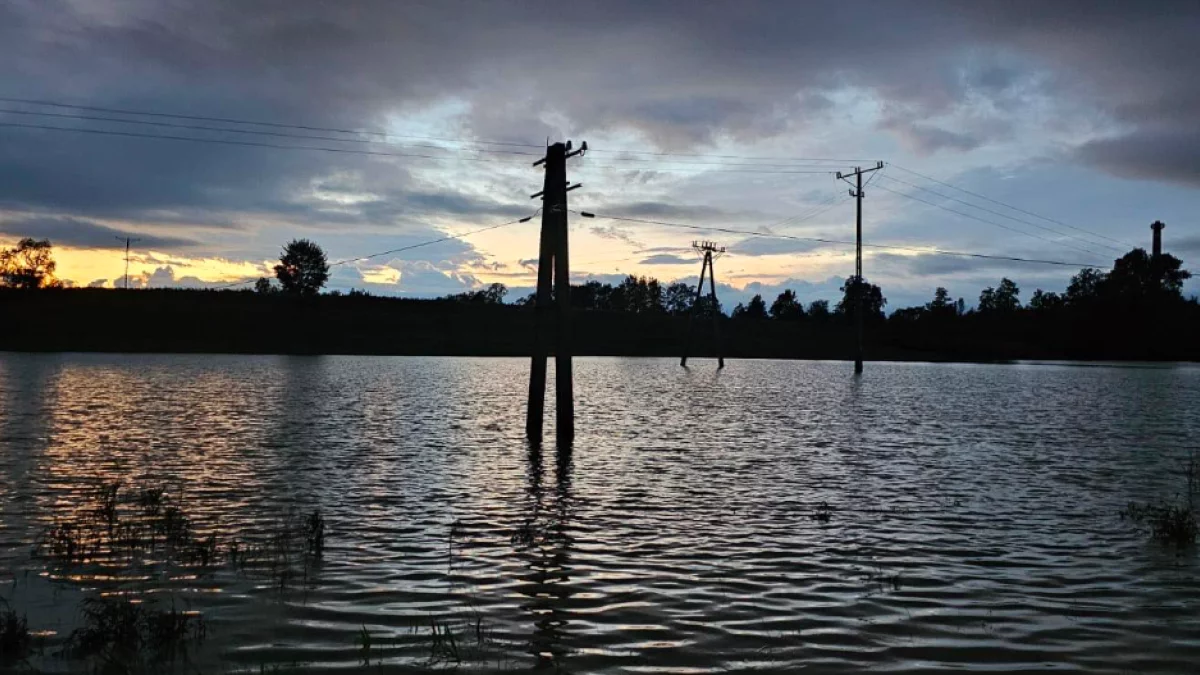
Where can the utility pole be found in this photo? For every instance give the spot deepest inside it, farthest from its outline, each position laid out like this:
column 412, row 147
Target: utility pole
column 709, row 250
column 859, row 285
column 554, row 286
column 128, row 241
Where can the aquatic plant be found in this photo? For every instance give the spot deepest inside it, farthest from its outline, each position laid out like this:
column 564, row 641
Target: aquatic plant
column 118, row 636
column 1174, row 522
column 292, row 547
column 1169, row 523
column 823, row 513
column 15, row 639
column 443, row 646
column 364, row 645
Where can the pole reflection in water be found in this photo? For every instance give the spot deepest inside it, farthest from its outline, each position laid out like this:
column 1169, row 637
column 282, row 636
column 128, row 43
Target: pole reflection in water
column 544, row 542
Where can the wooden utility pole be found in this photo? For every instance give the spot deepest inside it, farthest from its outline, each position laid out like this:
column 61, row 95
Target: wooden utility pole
column 554, row 287
column 128, row 241
column 709, row 250
column 859, row 283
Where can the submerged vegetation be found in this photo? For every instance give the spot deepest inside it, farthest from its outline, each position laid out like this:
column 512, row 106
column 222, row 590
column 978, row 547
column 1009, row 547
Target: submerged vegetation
column 120, row 636
column 1172, row 522
column 126, row 630
column 1169, row 523
column 150, row 526
column 16, row 642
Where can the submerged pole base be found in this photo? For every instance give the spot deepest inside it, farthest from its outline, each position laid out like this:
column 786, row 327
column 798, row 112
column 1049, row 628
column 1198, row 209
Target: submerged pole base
column 858, row 366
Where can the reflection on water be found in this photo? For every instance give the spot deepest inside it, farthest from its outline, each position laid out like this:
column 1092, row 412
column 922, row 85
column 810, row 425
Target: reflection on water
column 771, row 516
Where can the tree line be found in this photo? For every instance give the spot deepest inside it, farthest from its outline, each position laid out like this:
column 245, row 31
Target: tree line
column 1137, row 283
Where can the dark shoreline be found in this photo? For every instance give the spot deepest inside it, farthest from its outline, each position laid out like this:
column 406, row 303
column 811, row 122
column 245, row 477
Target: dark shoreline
column 230, row 322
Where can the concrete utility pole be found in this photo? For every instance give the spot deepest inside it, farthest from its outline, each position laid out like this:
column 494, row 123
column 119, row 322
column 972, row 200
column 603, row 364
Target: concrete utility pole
column 128, row 241
column 709, row 250
column 1157, row 226
column 554, row 286
column 857, row 193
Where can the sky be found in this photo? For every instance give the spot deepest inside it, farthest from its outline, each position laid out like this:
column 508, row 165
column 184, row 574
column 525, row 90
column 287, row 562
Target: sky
column 1043, row 130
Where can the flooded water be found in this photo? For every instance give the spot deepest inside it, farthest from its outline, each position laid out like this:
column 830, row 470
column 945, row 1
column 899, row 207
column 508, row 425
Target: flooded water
column 777, row 516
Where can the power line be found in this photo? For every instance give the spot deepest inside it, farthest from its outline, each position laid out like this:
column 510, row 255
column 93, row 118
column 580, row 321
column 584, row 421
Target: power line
column 983, row 220
column 1002, row 215
column 838, row 160
column 279, row 134
column 377, row 133
column 254, row 132
column 402, row 248
column 820, row 240
column 278, row 125
column 1010, row 206
column 252, row 144
column 436, row 241
column 352, row 151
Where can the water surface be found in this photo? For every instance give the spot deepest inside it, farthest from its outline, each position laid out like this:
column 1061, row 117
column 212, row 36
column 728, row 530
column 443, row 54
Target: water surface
column 771, row 516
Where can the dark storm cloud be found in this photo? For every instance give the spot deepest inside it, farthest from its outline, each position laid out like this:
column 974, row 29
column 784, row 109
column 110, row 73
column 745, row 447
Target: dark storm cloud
column 1166, row 155
column 84, row 234
column 745, row 70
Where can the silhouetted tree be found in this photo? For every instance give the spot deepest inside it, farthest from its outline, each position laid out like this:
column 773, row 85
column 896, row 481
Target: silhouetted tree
column 1140, row 277
column 873, row 301
column 1043, row 301
column 818, row 310
column 29, row 265
column 706, row 308
column 588, row 295
column 302, row 268
column 1000, row 300
column 493, row 294
column 637, row 295
column 678, row 297
column 942, row 306
column 1084, row 288
column 786, row 307
column 755, row 310
column 263, row 285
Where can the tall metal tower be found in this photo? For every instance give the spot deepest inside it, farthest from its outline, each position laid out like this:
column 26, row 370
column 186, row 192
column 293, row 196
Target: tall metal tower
column 709, row 251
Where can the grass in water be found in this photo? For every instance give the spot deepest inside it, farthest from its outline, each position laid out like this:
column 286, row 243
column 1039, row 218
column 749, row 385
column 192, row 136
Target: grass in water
column 15, row 640
column 119, row 636
column 1173, row 524
column 131, row 527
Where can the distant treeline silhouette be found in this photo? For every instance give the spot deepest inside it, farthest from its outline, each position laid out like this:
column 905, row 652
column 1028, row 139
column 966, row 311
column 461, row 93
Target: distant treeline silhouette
column 1135, row 311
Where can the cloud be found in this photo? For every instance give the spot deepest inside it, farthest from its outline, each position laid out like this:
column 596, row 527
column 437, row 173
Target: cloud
column 657, row 210
column 667, row 259
column 988, row 82
column 615, row 233
column 760, row 246
column 164, row 277
column 1171, row 155
column 927, row 139
column 80, row 233
column 1185, row 246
